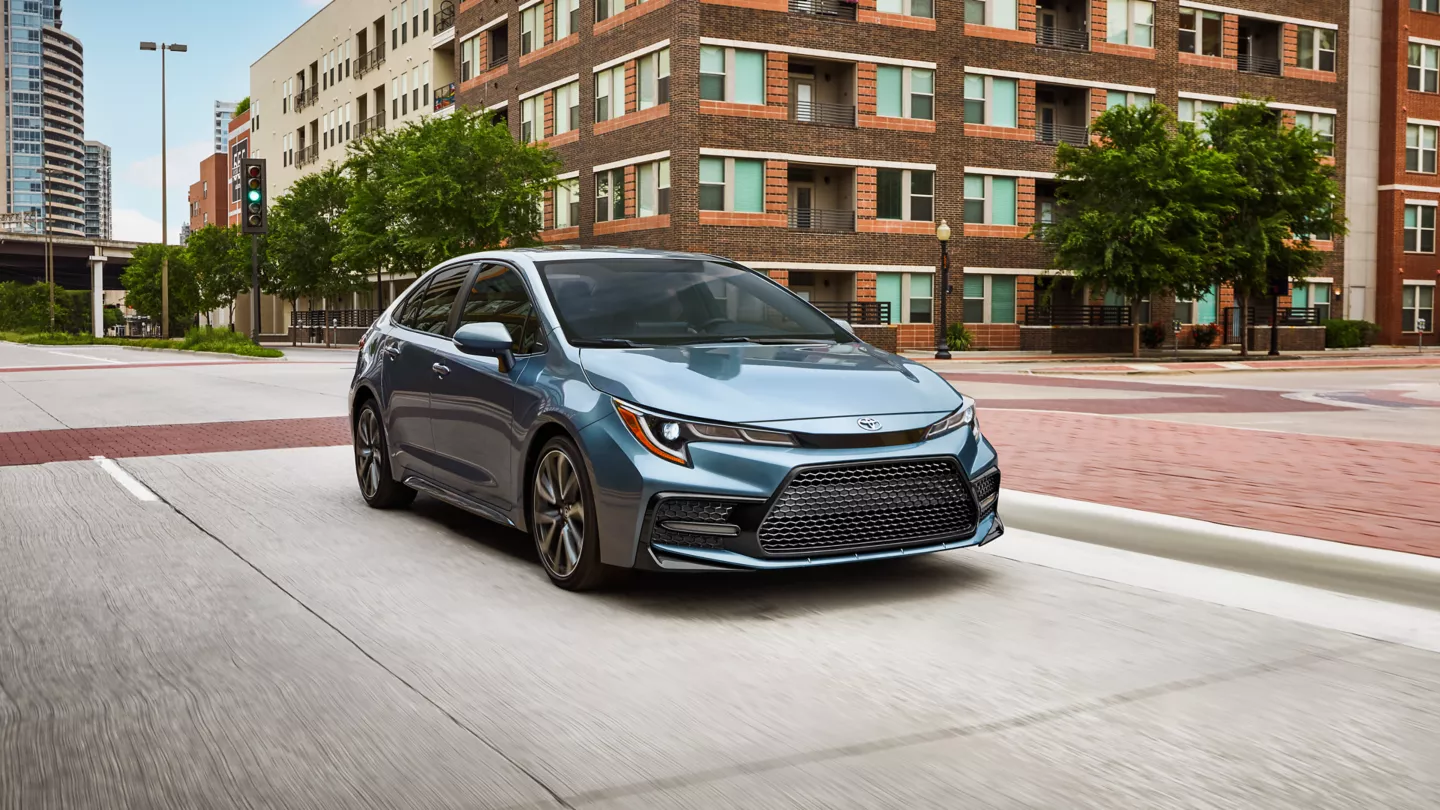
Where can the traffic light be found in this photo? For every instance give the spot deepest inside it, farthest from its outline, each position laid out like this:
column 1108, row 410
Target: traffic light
column 254, row 207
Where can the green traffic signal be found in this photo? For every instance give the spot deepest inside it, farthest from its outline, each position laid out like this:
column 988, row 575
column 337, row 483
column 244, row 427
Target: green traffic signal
column 254, row 196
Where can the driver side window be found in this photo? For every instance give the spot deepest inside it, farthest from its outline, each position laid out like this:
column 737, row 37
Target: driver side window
column 498, row 295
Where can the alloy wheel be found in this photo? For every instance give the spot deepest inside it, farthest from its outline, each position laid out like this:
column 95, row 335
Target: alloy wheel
column 559, row 513
column 368, row 452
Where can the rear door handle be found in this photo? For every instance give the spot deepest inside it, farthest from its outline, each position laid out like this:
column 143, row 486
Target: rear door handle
column 440, row 369
column 391, row 351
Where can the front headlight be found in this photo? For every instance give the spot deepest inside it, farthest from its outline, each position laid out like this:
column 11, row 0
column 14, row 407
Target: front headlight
column 964, row 417
column 669, row 438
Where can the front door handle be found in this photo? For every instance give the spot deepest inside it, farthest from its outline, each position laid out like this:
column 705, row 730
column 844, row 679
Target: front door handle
column 391, row 351
column 440, row 369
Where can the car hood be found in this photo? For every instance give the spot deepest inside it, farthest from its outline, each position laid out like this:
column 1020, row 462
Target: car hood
column 749, row 383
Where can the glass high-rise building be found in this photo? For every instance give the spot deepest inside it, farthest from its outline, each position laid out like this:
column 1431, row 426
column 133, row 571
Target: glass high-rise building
column 97, row 191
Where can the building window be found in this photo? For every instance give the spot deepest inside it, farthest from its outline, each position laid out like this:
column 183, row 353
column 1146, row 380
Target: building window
column 605, row 9
column 469, row 58
column 532, row 28
column 1419, row 229
column 654, row 78
column 1432, row 6
column 907, row 194
column 567, row 107
column 1417, row 303
column 994, row 13
column 1131, row 22
column 910, row 296
column 1201, row 32
column 1420, row 149
column 1120, row 98
column 565, row 11
column 730, row 74
column 1204, row 309
column 1196, row 112
column 395, row 28
column 1424, row 72
column 610, row 93
column 991, row 101
column 910, row 8
column 1317, row 48
column 990, row 200
column 1312, row 294
column 610, row 195
column 528, row 109
column 732, row 184
column 567, row 203
column 989, row 299
column 905, row 92
column 652, row 188
column 1323, row 125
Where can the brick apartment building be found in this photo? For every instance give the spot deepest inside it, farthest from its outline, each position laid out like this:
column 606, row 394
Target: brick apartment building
column 822, row 140
column 210, row 195
column 238, row 148
column 1407, row 267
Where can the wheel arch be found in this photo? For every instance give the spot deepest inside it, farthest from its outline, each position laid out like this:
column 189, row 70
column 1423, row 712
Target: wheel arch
column 543, row 433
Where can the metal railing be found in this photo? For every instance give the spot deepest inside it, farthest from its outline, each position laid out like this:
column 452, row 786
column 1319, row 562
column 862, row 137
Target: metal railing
column 1260, row 316
column 1249, row 63
column 445, row 97
column 307, row 155
column 371, row 59
column 342, row 318
column 1062, row 133
column 824, row 114
column 839, row 9
column 498, row 60
column 820, row 219
column 306, row 97
column 1048, row 36
column 1076, row 315
column 867, row 313
column 444, row 17
column 371, row 125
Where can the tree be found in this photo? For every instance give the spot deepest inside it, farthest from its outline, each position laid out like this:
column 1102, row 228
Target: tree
column 1140, row 208
column 304, row 248
column 1291, row 195
column 242, row 106
column 220, row 258
column 142, row 284
column 440, row 188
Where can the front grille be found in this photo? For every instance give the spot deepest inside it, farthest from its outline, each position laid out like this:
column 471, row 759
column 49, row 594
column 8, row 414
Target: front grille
column 840, row 508
column 689, row 511
column 987, row 487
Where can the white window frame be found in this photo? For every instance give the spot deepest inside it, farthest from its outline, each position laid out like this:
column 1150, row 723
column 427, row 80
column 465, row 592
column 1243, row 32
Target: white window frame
column 1419, row 148
column 533, row 16
column 1432, row 6
column 1313, row 122
column 567, row 194
column 1128, row 10
column 988, row 297
column 907, row 92
column 988, row 200
column 530, row 116
column 905, row 7
column 605, row 9
column 610, row 174
column 987, row 13
column 567, row 98
column 730, row 72
column 1420, row 228
column 1420, row 70
column 562, row 17
column 614, row 77
column 470, row 57
column 1201, row 15
column 1198, row 109
column 650, row 179
column 1132, row 99
column 1419, row 289
column 907, row 195
column 1317, row 52
column 654, row 67
column 1310, row 287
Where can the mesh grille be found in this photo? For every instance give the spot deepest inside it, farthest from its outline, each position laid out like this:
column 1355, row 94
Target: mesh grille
column 987, row 486
column 838, row 508
column 689, row 511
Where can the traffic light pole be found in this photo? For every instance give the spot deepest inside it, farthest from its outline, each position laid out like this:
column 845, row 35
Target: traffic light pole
column 255, row 288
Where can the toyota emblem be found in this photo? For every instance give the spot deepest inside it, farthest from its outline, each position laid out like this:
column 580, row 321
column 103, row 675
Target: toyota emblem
column 869, row 424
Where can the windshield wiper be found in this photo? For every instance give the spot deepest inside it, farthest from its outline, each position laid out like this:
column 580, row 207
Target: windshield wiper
column 605, row 343
column 767, row 341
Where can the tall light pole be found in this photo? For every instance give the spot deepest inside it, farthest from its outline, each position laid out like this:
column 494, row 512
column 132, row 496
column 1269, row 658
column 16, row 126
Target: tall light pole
column 164, row 191
column 45, row 173
column 942, row 345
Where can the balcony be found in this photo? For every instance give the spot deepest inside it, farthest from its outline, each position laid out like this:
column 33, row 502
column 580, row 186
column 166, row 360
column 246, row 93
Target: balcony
column 835, row 9
column 1062, row 24
column 823, row 114
column 820, row 220
column 867, row 313
column 445, row 97
column 307, row 155
column 371, row 125
column 306, row 97
column 371, row 59
column 1052, row 134
column 1073, row 39
column 1259, row 47
column 1263, row 65
column 444, row 17
column 822, row 93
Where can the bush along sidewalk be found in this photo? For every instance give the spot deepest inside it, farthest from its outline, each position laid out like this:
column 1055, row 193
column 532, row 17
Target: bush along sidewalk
column 199, row 339
column 1343, row 334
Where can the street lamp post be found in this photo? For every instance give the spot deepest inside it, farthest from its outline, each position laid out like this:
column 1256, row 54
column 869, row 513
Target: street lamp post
column 45, row 173
column 164, row 191
column 942, row 344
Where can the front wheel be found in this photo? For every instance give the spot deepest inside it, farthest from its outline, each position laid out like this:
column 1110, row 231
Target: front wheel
column 562, row 519
column 372, row 462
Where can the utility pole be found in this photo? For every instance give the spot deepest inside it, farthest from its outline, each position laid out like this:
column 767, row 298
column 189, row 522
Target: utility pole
column 164, row 191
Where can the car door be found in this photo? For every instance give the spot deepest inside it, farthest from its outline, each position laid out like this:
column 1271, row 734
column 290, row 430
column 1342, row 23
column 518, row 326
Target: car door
column 473, row 416
column 409, row 374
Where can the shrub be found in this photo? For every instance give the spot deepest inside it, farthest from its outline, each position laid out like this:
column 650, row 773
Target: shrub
column 205, row 339
column 1344, row 334
column 1152, row 335
column 959, row 338
column 1205, row 335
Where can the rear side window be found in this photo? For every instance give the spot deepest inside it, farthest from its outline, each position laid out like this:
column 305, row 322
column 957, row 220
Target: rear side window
column 498, row 295
column 431, row 310
column 405, row 315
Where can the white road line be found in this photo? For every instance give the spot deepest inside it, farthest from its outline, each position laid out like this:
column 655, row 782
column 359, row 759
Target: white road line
column 88, row 357
column 125, row 479
column 1371, row 618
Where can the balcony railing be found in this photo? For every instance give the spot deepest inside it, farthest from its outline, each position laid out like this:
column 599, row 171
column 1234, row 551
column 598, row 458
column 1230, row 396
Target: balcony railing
column 306, row 97
column 444, row 17
column 1266, row 65
column 371, row 125
column 839, row 9
column 824, row 114
column 1049, row 36
column 1062, row 133
column 445, row 97
column 371, row 59
column 343, row 318
column 820, row 219
column 307, row 155
column 1076, row 315
column 866, row 313
column 498, row 60
column 1260, row 316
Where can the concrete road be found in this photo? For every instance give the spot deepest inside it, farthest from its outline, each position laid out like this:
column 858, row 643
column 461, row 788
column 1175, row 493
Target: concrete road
column 256, row 637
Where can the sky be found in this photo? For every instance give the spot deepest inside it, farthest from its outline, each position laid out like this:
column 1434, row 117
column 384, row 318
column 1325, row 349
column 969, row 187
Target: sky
column 122, row 88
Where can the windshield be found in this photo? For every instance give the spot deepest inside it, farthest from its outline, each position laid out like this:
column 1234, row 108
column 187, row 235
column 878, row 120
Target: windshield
column 669, row 301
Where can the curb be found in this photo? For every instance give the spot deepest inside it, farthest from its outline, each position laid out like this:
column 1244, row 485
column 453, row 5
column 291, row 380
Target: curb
column 1135, row 372
column 1390, row 576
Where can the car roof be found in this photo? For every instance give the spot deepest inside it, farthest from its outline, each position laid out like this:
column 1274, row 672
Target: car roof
column 582, row 252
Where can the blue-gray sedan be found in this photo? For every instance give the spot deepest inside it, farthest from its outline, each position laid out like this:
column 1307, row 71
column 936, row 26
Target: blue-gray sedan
column 664, row 411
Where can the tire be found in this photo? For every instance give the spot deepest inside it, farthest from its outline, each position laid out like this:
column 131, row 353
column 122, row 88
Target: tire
column 372, row 462
column 562, row 519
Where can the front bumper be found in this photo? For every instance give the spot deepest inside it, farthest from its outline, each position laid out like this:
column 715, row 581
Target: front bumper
column 630, row 482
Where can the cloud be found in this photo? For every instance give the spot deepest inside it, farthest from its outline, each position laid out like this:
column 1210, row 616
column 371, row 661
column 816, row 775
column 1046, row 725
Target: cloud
column 131, row 225
column 183, row 165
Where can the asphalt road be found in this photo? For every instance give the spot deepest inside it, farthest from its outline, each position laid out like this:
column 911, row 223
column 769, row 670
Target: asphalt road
column 238, row 630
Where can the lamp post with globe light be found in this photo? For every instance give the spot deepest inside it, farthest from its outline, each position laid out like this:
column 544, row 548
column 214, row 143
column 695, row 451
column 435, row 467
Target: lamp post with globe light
column 942, row 343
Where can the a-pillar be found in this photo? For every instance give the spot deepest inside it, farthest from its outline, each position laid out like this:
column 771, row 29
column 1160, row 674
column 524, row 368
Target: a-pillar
column 97, row 297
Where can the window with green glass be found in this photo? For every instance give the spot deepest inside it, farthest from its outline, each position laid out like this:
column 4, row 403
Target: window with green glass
column 1004, row 103
column 712, row 184
column 1207, row 308
column 749, row 77
column 1002, row 200
column 974, row 199
column 1002, row 299
column 890, row 91
column 974, row 298
column 921, row 298
column 750, row 186
column 890, row 190
column 712, row 73
column 922, row 94
column 887, row 291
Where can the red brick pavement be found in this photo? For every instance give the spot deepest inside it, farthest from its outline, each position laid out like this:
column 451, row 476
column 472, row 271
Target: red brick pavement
column 44, row 446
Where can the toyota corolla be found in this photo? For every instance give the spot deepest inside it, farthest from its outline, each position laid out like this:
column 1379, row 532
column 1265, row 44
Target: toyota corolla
column 662, row 411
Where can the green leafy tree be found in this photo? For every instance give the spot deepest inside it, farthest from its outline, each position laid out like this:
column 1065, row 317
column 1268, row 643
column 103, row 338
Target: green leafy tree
column 304, row 250
column 220, row 258
column 1292, row 195
column 242, row 106
column 1140, row 209
column 142, row 281
column 442, row 187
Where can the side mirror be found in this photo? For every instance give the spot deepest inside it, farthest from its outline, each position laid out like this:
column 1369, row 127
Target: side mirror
column 487, row 339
